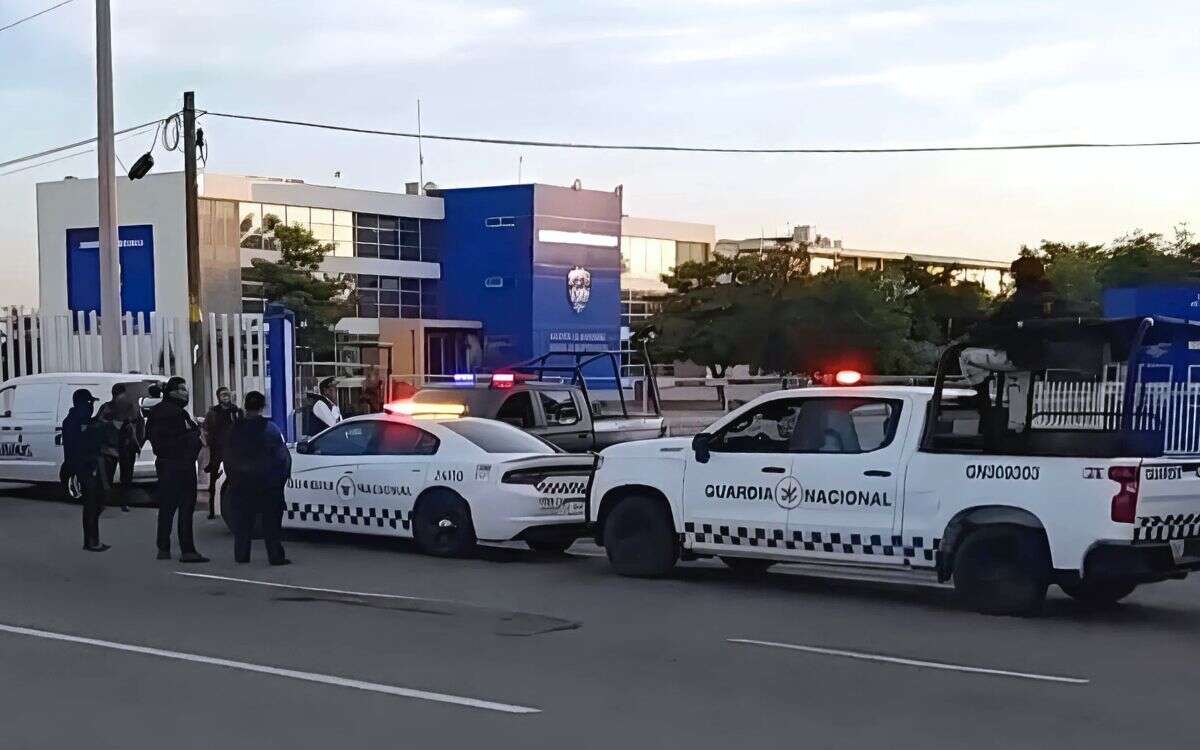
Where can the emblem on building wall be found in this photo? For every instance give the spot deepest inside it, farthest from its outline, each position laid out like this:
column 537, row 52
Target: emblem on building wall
column 579, row 287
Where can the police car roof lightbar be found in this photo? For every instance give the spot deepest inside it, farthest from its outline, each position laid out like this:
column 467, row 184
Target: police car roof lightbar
column 503, row 379
column 848, row 377
column 425, row 411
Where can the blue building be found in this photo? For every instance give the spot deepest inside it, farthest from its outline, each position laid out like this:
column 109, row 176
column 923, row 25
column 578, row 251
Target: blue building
column 1180, row 361
column 538, row 265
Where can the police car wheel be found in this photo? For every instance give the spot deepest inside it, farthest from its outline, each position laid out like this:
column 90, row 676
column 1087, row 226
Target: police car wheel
column 640, row 539
column 72, row 491
column 442, row 525
column 747, row 566
column 1099, row 593
column 1002, row 571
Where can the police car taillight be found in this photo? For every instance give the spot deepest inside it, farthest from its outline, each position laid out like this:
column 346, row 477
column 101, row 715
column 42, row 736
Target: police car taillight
column 1124, row 503
column 503, row 379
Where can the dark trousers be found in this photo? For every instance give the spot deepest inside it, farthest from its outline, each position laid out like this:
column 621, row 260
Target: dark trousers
column 93, row 505
column 125, row 462
column 176, row 493
column 245, row 510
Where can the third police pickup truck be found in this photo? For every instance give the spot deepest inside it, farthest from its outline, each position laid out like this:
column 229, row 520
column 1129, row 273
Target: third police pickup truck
column 1042, row 472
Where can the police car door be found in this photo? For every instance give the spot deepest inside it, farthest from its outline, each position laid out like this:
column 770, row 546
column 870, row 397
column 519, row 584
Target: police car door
column 847, row 466
column 389, row 478
column 732, row 500
column 321, row 492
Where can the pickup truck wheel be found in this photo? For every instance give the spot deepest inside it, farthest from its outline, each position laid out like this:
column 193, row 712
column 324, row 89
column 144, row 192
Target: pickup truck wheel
column 72, row 491
column 1099, row 593
column 640, row 538
column 747, row 566
column 442, row 525
column 1002, row 571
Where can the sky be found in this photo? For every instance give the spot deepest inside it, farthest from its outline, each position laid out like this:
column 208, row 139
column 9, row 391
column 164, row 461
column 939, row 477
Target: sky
column 825, row 73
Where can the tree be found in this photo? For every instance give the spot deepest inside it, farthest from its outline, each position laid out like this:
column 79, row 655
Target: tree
column 294, row 281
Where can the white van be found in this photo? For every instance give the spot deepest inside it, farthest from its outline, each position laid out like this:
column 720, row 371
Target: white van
column 32, row 408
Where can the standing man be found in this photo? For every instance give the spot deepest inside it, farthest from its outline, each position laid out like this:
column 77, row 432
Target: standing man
column 175, row 437
column 257, row 465
column 124, row 433
column 217, row 423
column 81, row 455
column 325, row 411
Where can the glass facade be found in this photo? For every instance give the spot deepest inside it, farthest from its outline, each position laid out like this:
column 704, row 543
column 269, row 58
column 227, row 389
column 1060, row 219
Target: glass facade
column 650, row 258
column 351, row 234
column 396, row 297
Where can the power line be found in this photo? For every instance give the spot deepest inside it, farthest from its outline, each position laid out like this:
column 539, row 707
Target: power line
column 84, row 142
column 35, row 15
column 85, row 152
column 700, row 149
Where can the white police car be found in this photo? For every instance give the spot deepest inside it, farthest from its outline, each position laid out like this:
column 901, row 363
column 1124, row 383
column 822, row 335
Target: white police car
column 444, row 480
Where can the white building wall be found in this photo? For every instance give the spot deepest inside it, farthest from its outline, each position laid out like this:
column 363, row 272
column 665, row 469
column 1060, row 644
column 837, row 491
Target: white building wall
column 73, row 204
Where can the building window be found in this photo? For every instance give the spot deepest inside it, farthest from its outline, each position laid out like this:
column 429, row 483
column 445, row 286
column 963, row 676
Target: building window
column 387, row 237
column 647, row 257
column 396, row 297
column 691, row 252
column 495, row 222
column 327, row 226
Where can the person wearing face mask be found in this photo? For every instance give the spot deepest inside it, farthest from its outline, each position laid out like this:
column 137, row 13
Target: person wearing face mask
column 175, row 437
column 81, row 454
column 219, row 420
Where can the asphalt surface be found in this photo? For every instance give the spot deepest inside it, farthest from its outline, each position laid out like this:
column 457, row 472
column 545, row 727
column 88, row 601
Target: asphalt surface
column 564, row 652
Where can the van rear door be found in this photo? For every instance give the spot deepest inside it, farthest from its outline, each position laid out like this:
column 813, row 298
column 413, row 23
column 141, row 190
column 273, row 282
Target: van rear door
column 1168, row 507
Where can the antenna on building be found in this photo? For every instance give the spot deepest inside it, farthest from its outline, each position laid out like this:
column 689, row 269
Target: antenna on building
column 420, row 153
column 520, row 162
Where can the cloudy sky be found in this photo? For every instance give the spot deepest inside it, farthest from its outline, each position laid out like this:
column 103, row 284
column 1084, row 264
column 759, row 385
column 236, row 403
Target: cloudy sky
column 700, row 72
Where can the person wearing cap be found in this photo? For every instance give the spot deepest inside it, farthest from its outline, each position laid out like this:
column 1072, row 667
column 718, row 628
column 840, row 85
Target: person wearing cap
column 217, row 422
column 257, row 465
column 175, row 437
column 325, row 411
column 81, row 456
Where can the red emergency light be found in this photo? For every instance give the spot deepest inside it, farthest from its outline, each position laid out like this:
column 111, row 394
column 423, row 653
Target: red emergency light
column 503, row 380
column 848, row 377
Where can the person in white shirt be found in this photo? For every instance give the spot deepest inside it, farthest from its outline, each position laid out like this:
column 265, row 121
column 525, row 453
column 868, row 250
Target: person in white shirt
column 325, row 411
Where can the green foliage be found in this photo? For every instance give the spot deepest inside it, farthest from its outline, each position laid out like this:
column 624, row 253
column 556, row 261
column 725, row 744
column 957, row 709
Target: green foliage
column 1081, row 271
column 318, row 300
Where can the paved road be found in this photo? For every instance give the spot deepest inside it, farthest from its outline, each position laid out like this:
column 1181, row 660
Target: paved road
column 605, row 661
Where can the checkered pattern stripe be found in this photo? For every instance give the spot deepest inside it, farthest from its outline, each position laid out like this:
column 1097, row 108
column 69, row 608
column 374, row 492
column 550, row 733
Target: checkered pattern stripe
column 349, row 514
column 1163, row 528
column 834, row 542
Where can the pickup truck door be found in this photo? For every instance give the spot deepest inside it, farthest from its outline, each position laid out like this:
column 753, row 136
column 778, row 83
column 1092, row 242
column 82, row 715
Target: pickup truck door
column 567, row 425
column 847, row 461
column 732, row 501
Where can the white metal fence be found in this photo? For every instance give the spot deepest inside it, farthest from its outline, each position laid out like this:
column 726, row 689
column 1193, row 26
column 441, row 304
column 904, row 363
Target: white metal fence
column 1172, row 407
column 32, row 342
column 237, row 351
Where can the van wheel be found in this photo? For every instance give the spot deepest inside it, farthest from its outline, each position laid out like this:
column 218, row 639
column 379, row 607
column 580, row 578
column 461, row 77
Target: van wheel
column 1002, row 571
column 442, row 525
column 69, row 486
column 1099, row 593
column 640, row 539
column 747, row 566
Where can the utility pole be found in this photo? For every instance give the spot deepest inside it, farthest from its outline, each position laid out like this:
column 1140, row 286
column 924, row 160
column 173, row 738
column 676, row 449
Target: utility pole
column 192, row 233
column 106, row 183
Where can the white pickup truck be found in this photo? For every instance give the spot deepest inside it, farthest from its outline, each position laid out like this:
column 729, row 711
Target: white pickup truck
column 948, row 483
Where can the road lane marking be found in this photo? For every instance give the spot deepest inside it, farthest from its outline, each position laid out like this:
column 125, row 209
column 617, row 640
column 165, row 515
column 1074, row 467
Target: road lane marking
column 325, row 679
column 911, row 662
column 295, row 587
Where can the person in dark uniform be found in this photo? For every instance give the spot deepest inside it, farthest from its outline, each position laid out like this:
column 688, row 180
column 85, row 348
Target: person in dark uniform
column 125, row 431
column 81, row 455
column 217, row 423
column 175, row 437
column 257, row 465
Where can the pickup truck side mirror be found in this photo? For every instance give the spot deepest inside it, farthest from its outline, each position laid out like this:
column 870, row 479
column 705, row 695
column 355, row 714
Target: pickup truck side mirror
column 304, row 447
column 700, row 446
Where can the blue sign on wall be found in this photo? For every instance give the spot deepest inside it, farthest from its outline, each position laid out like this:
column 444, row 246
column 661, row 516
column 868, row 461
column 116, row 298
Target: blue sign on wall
column 1178, row 361
column 137, row 269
